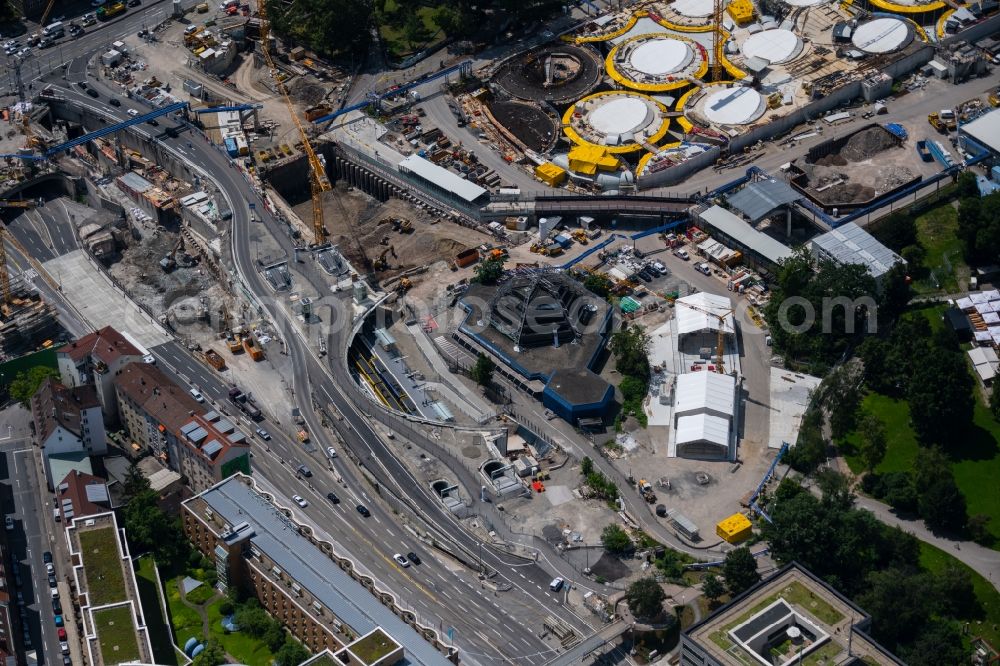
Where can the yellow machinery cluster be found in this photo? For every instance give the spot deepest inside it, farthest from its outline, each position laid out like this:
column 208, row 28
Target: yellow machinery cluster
column 735, row 528
column 551, row 174
column 742, row 11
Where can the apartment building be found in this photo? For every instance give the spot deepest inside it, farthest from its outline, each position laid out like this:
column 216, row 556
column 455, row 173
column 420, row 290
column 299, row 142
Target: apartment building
column 314, row 591
column 95, row 359
column 162, row 417
column 67, row 421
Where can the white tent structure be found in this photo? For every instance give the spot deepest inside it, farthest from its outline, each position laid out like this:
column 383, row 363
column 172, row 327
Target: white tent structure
column 693, row 316
column 704, row 414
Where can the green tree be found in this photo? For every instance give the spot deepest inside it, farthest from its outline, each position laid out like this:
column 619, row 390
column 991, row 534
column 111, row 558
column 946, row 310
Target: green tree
column 482, row 371
column 414, row 29
column 979, row 529
column 586, row 466
column 252, row 620
column 27, row 382
column 292, row 653
column 149, row 528
column 326, row 26
column 940, row 397
column 615, row 540
column 896, row 290
column 212, row 655
column 811, row 447
column 898, row 602
column 712, row 588
column 274, row 637
column 630, row 345
column 740, row 570
column 873, row 442
column 489, row 271
column 598, row 283
column 135, row 482
column 897, row 231
column 900, row 492
column 942, row 505
column 645, row 598
column 840, row 393
column 938, row 643
column 966, row 185
column 979, row 227
column 995, row 402
column 954, row 594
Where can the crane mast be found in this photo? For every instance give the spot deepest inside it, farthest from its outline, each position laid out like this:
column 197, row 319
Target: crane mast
column 318, row 181
column 717, row 43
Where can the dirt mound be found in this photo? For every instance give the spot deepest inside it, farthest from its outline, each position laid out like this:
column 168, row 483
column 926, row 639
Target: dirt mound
column 868, row 143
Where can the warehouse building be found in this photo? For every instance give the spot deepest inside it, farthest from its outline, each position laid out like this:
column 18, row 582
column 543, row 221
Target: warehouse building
column 758, row 248
column 705, row 407
column 850, row 244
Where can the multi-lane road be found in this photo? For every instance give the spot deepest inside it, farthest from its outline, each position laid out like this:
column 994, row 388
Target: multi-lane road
column 443, row 592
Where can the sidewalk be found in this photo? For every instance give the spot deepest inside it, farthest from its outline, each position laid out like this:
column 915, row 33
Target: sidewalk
column 984, row 561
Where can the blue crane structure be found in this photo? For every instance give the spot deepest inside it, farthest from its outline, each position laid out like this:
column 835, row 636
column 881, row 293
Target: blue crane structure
column 767, row 477
column 375, row 98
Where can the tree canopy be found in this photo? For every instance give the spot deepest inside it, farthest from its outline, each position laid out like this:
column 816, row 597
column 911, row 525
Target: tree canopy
column 630, row 345
column 615, row 540
column 979, row 226
column 482, row 371
column 489, row 271
column 212, row 655
column 941, row 397
column 740, row 570
column 645, row 598
column 27, row 382
column 325, row 26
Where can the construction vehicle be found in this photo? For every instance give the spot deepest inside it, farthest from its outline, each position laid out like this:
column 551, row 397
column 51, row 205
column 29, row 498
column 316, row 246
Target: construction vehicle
column 580, row 236
column 234, row 343
column 213, row 359
column 994, row 97
column 381, row 263
column 720, row 345
column 20, row 203
column 943, row 120
column 935, row 121
column 646, row 490
column 251, row 347
column 318, row 180
column 404, row 285
column 303, row 435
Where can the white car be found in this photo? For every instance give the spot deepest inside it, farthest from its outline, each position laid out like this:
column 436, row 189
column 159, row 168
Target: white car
column 659, row 267
column 682, row 254
column 331, row 452
column 49, row 568
column 55, row 592
column 132, row 112
column 300, row 501
column 196, row 394
column 8, row 523
column 64, row 647
column 401, row 561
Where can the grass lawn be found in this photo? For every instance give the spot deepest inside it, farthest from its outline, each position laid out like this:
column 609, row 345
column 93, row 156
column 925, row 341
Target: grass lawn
column 116, row 634
column 373, row 647
column 936, row 230
column 201, row 594
column 988, row 626
column 975, row 458
column 145, row 576
column 245, row 649
column 186, row 621
column 394, row 37
column 103, row 565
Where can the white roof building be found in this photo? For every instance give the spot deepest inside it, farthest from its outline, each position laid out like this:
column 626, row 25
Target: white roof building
column 985, row 130
column 692, row 313
column 704, row 413
column 440, row 177
column 986, row 362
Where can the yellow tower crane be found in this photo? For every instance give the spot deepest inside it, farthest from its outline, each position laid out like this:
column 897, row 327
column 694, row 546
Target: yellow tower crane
column 717, row 43
column 45, row 14
column 318, row 181
column 720, row 345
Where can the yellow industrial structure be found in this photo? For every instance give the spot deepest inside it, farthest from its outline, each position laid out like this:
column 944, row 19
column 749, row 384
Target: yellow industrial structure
column 742, row 11
column 588, row 159
column 735, row 528
column 551, row 174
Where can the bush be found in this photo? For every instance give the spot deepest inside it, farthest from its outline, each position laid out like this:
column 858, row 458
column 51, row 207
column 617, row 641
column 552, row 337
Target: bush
column 227, row 608
column 615, row 540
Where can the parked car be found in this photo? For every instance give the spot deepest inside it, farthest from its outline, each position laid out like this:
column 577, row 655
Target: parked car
column 401, row 561
column 50, row 568
column 333, row 498
column 61, row 633
column 363, row 510
column 52, row 580
column 300, row 501
column 64, row 648
column 59, row 620
column 153, row 122
column 263, row 434
column 82, row 85
column 8, row 523
column 682, row 254
column 331, row 452
column 134, row 3
column 56, row 606
column 703, row 268
column 659, row 267
column 413, row 557
column 46, row 557
column 55, row 593
column 114, row 102
column 195, row 393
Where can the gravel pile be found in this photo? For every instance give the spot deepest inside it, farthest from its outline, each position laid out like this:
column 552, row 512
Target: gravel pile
column 867, row 144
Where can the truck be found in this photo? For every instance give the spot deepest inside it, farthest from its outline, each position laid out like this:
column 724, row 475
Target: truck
column 923, row 151
column 234, row 343
column 110, row 10
column 645, row 489
column 236, row 396
column 213, row 359
column 303, row 435
column 252, row 348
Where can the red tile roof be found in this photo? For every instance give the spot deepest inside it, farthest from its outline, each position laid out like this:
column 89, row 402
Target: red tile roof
column 54, row 405
column 74, row 489
column 106, row 344
column 157, row 394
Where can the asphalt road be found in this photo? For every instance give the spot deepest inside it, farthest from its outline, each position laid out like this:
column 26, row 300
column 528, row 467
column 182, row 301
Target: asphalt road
column 436, row 591
column 22, row 490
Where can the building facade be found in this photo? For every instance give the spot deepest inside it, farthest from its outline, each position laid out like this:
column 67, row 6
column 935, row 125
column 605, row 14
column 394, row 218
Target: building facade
column 96, row 359
column 67, row 421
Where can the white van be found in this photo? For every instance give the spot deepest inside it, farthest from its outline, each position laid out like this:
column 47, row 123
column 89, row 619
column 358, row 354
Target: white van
column 56, row 29
column 556, row 584
column 196, row 394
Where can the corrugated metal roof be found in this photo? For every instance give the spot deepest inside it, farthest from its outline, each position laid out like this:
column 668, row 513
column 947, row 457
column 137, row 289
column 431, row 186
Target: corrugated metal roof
column 136, row 182
column 97, row 493
column 850, row 244
column 212, row 448
column 197, row 434
column 737, row 228
column 757, row 200
column 705, row 390
column 443, row 178
column 277, row 538
column 986, row 130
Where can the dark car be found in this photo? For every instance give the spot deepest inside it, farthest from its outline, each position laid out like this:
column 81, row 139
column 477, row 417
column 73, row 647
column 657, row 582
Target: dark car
column 363, row 510
column 56, row 607
column 52, row 580
column 173, row 131
column 152, row 121
column 92, row 93
column 82, row 84
column 134, row 3
column 333, row 498
column 46, row 557
column 304, row 471
column 411, row 556
column 114, row 102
